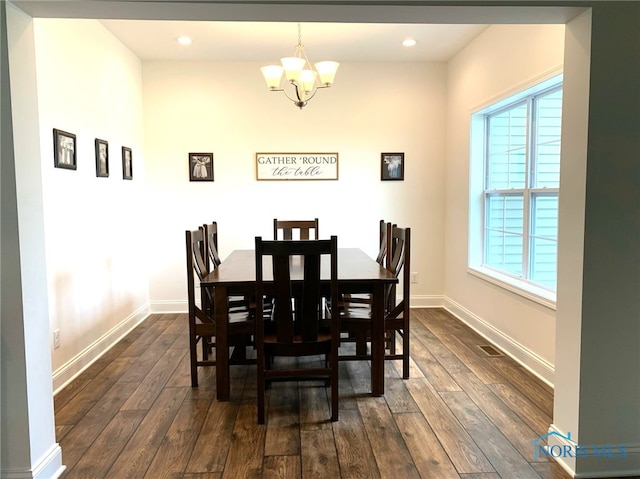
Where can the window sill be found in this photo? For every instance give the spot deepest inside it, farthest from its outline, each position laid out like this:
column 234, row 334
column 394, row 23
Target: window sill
column 522, row 288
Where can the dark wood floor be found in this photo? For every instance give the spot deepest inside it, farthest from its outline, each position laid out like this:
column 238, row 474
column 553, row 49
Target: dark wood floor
column 462, row 414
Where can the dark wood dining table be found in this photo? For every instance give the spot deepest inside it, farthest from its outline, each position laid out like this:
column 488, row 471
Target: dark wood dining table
column 357, row 273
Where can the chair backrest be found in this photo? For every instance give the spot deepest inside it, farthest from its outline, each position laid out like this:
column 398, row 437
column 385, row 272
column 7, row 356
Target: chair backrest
column 304, row 256
column 398, row 248
column 196, row 268
column 399, row 260
column 385, row 234
column 212, row 258
column 288, row 227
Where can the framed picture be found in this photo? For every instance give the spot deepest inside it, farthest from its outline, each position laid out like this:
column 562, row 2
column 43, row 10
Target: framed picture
column 127, row 164
column 200, row 166
column 280, row 166
column 64, row 149
column 102, row 158
column 392, row 167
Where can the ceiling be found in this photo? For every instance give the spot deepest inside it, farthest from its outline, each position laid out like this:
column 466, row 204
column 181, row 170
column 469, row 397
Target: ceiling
column 266, row 30
column 269, row 41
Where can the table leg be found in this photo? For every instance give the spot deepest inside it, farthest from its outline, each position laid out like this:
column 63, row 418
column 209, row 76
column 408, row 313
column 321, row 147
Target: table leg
column 222, row 342
column 377, row 340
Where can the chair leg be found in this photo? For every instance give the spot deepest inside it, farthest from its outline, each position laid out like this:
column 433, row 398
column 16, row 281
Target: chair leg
column 205, row 348
column 334, row 400
column 405, row 349
column 194, row 359
column 361, row 343
column 261, row 387
column 391, row 340
column 239, row 354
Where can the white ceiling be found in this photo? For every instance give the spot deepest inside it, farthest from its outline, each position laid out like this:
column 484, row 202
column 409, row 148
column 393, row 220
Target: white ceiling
column 265, row 30
column 269, row 41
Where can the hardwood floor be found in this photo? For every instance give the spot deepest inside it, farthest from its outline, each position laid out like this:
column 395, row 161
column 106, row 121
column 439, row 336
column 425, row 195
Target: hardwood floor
column 462, row 414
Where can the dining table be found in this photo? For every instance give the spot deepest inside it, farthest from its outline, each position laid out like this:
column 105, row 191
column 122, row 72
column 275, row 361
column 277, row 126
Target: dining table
column 357, row 273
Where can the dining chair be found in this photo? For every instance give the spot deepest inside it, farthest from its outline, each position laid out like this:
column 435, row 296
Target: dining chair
column 202, row 325
column 384, row 239
column 397, row 316
column 302, row 227
column 212, row 261
column 355, row 316
column 296, row 270
column 359, row 335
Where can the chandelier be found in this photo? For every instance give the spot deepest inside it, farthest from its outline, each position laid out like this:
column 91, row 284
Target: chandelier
column 304, row 82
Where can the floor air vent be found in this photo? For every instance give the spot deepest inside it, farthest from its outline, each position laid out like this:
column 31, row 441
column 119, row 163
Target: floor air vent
column 490, row 350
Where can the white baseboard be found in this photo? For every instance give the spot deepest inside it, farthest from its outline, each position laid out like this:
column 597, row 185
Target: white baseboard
column 537, row 365
column 169, row 306
column 559, row 437
column 592, row 467
column 427, row 301
column 49, row 466
column 72, row 368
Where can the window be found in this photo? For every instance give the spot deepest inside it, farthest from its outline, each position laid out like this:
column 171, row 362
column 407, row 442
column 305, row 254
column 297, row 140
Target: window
column 521, row 178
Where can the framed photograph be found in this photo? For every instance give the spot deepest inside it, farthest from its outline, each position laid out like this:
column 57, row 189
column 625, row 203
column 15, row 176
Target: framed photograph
column 64, row 149
column 102, row 158
column 392, row 167
column 200, row 166
column 127, row 163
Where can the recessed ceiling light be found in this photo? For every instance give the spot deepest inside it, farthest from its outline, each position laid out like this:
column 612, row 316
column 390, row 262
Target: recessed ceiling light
column 183, row 40
column 409, row 42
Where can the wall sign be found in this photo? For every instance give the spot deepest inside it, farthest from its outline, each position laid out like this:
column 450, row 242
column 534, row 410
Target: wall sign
column 296, row 166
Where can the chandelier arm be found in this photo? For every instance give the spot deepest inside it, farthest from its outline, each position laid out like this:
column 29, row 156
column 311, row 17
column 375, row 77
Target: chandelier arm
column 297, row 99
column 315, row 90
column 287, row 95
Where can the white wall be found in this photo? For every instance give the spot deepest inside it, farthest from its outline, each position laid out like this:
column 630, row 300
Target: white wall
column 89, row 84
column 499, row 62
column 600, row 302
column 227, row 109
column 29, row 447
column 571, row 211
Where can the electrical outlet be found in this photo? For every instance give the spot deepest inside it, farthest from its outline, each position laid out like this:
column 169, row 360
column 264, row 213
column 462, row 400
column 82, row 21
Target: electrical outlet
column 56, row 339
column 414, row 277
